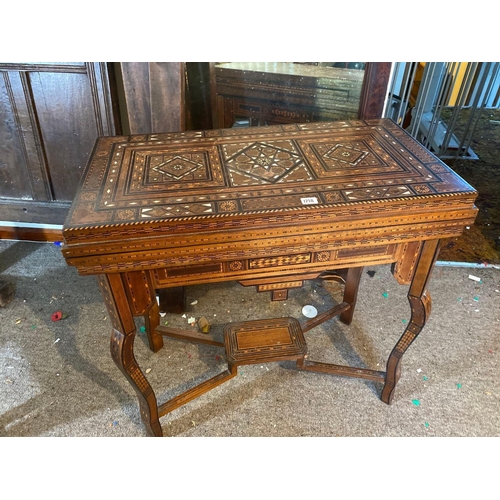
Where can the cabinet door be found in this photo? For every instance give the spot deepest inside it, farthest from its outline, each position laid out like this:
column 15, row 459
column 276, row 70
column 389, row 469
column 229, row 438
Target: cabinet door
column 50, row 117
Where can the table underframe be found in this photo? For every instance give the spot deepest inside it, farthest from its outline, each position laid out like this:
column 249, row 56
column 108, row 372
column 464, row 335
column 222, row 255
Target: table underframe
column 131, row 294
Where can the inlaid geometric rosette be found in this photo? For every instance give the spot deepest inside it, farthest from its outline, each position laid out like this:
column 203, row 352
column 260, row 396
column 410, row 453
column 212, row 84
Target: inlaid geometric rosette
column 154, row 173
column 350, row 156
column 176, row 167
column 157, row 170
column 264, row 162
column 367, row 166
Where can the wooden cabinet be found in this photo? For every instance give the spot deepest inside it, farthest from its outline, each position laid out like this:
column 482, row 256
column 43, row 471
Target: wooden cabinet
column 50, row 117
column 277, row 92
column 273, row 93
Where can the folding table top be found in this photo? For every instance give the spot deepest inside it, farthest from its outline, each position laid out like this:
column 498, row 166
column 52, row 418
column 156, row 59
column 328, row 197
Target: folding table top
column 232, row 174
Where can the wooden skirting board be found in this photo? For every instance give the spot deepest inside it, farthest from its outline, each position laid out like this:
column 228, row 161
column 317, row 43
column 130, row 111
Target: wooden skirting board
column 30, row 233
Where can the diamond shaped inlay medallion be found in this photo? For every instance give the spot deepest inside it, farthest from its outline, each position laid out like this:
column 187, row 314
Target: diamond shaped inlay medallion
column 177, row 167
column 265, row 162
column 345, row 154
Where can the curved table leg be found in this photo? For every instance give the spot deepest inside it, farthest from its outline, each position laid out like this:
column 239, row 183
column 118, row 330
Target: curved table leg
column 420, row 303
column 122, row 349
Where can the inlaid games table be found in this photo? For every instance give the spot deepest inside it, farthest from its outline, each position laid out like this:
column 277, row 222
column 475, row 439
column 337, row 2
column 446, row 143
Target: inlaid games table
column 265, row 206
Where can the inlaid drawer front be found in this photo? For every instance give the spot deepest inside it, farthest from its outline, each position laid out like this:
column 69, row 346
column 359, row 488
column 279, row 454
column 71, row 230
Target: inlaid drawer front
column 322, row 259
column 235, row 266
column 163, row 276
column 280, row 286
column 354, row 254
column 347, row 253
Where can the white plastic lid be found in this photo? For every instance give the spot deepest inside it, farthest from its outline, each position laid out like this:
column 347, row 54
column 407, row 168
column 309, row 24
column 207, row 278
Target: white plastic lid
column 309, row 311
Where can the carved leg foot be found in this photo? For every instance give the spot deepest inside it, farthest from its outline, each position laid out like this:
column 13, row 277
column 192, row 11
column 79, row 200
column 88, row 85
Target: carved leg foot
column 420, row 303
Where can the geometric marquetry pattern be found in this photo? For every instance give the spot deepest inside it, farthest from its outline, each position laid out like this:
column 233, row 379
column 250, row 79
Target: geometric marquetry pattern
column 261, row 341
column 139, row 378
column 259, row 169
column 176, row 167
column 177, row 210
column 408, row 337
column 280, row 286
column 271, row 162
column 378, row 193
column 323, row 256
column 279, row 261
column 236, row 265
column 346, row 153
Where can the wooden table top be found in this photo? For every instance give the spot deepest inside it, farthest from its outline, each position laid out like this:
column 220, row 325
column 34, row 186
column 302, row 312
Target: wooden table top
column 356, row 174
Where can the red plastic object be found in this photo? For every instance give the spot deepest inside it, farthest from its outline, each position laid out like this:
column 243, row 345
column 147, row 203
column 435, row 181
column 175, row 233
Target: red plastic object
column 58, row 315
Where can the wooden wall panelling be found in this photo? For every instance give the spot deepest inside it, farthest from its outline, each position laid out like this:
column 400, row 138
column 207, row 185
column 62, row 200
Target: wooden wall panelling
column 104, row 93
column 51, row 114
column 23, row 170
column 68, row 140
column 153, row 96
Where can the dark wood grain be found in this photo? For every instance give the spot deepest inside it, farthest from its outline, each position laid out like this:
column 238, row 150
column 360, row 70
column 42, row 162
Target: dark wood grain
column 154, row 96
column 51, row 115
column 30, row 233
column 69, row 138
column 14, row 152
column 374, row 90
column 26, row 140
column 200, row 86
